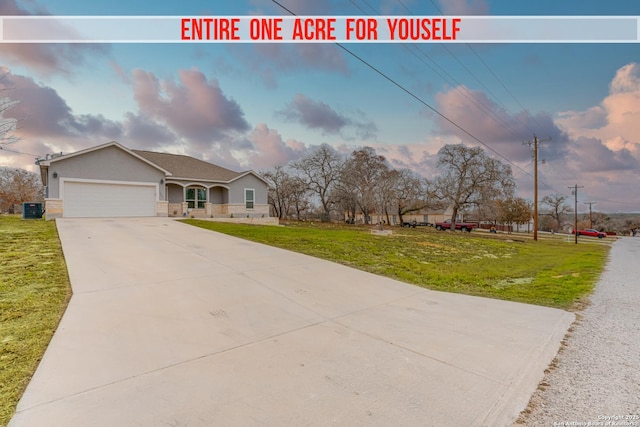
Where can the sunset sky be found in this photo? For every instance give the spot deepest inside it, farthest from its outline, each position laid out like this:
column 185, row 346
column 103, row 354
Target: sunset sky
column 255, row 106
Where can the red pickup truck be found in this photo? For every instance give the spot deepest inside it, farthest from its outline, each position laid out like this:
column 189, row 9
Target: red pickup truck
column 463, row 226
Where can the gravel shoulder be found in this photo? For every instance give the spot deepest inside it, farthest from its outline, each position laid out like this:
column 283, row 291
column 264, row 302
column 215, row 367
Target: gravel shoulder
column 595, row 379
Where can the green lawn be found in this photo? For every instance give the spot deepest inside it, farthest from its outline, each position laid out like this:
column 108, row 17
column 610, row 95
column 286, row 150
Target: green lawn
column 551, row 272
column 34, row 291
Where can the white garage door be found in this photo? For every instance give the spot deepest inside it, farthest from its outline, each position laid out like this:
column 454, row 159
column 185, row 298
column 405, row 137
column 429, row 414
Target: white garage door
column 88, row 199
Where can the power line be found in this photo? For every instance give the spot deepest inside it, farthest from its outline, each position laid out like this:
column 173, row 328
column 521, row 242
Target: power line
column 420, row 100
column 486, row 66
column 484, row 107
column 416, row 97
column 480, row 104
column 17, row 152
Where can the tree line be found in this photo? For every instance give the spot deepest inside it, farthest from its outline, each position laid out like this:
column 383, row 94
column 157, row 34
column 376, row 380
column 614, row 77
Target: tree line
column 364, row 182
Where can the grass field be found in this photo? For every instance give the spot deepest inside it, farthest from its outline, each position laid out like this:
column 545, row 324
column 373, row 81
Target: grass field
column 551, row 272
column 34, row 291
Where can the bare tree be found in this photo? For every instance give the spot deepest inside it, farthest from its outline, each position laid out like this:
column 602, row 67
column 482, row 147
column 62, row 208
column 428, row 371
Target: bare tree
column 410, row 192
column 557, row 208
column 18, row 186
column 345, row 197
column 7, row 125
column 363, row 176
column 470, row 178
column 299, row 196
column 599, row 221
column 278, row 195
column 320, row 168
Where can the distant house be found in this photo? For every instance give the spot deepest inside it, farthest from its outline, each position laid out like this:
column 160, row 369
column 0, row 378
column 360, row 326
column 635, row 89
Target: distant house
column 111, row 180
column 428, row 216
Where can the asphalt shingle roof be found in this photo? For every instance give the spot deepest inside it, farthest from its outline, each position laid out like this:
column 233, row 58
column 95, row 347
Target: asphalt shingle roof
column 182, row 166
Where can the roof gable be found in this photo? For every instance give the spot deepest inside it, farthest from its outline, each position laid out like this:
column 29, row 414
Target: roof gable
column 47, row 162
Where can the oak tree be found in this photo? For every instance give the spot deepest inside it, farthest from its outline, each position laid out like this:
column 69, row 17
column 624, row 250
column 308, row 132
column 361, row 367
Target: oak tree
column 470, row 178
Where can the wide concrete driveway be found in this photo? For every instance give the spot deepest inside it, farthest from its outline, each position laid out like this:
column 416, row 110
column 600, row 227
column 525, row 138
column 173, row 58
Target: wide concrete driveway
column 172, row 325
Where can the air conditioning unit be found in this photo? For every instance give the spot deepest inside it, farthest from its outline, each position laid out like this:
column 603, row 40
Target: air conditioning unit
column 31, row 210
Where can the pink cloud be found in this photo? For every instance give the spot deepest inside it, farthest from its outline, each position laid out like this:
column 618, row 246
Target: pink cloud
column 604, row 152
column 270, row 149
column 503, row 131
column 195, row 107
column 615, row 120
column 420, row 157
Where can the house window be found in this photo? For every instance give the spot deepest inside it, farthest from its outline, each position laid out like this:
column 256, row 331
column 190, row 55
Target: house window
column 425, row 218
column 195, row 197
column 249, row 197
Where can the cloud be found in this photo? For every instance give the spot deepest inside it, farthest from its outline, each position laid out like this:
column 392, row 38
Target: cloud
column 615, row 120
column 195, row 108
column 192, row 116
column 270, row 149
column 591, row 155
column 603, row 153
column 319, row 116
column 42, row 113
column 142, row 132
column 418, row 157
column 315, row 115
column 46, row 58
column 502, row 130
column 269, row 60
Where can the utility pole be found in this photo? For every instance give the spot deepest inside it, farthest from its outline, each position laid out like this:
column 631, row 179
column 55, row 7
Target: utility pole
column 590, row 215
column 535, row 143
column 574, row 191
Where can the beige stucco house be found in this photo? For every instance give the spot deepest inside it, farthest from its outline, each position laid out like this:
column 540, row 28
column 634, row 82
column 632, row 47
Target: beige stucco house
column 111, row 180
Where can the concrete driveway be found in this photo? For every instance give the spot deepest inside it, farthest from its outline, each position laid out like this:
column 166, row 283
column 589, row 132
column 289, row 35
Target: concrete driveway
column 174, row 325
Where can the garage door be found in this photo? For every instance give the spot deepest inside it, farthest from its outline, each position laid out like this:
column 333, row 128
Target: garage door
column 88, row 199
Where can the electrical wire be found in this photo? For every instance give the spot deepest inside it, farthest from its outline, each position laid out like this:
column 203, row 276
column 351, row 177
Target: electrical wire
column 3, row 148
column 416, row 97
column 433, row 109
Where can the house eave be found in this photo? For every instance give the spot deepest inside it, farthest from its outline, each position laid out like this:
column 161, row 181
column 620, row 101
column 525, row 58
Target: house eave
column 48, row 162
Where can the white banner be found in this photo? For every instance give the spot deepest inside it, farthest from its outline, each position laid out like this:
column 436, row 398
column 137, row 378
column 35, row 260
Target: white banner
column 319, row 29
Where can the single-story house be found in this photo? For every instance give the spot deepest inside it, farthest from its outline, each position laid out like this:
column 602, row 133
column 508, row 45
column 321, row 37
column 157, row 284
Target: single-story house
column 111, row 180
column 423, row 215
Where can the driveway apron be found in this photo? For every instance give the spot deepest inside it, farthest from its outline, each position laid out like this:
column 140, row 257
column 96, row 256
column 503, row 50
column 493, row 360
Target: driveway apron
column 174, row 325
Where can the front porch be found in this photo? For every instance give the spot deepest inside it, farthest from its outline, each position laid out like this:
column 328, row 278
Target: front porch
column 197, row 200
column 213, row 210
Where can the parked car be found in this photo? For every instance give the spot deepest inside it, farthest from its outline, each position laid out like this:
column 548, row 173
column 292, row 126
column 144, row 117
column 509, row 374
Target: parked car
column 415, row 224
column 463, row 226
column 592, row 233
